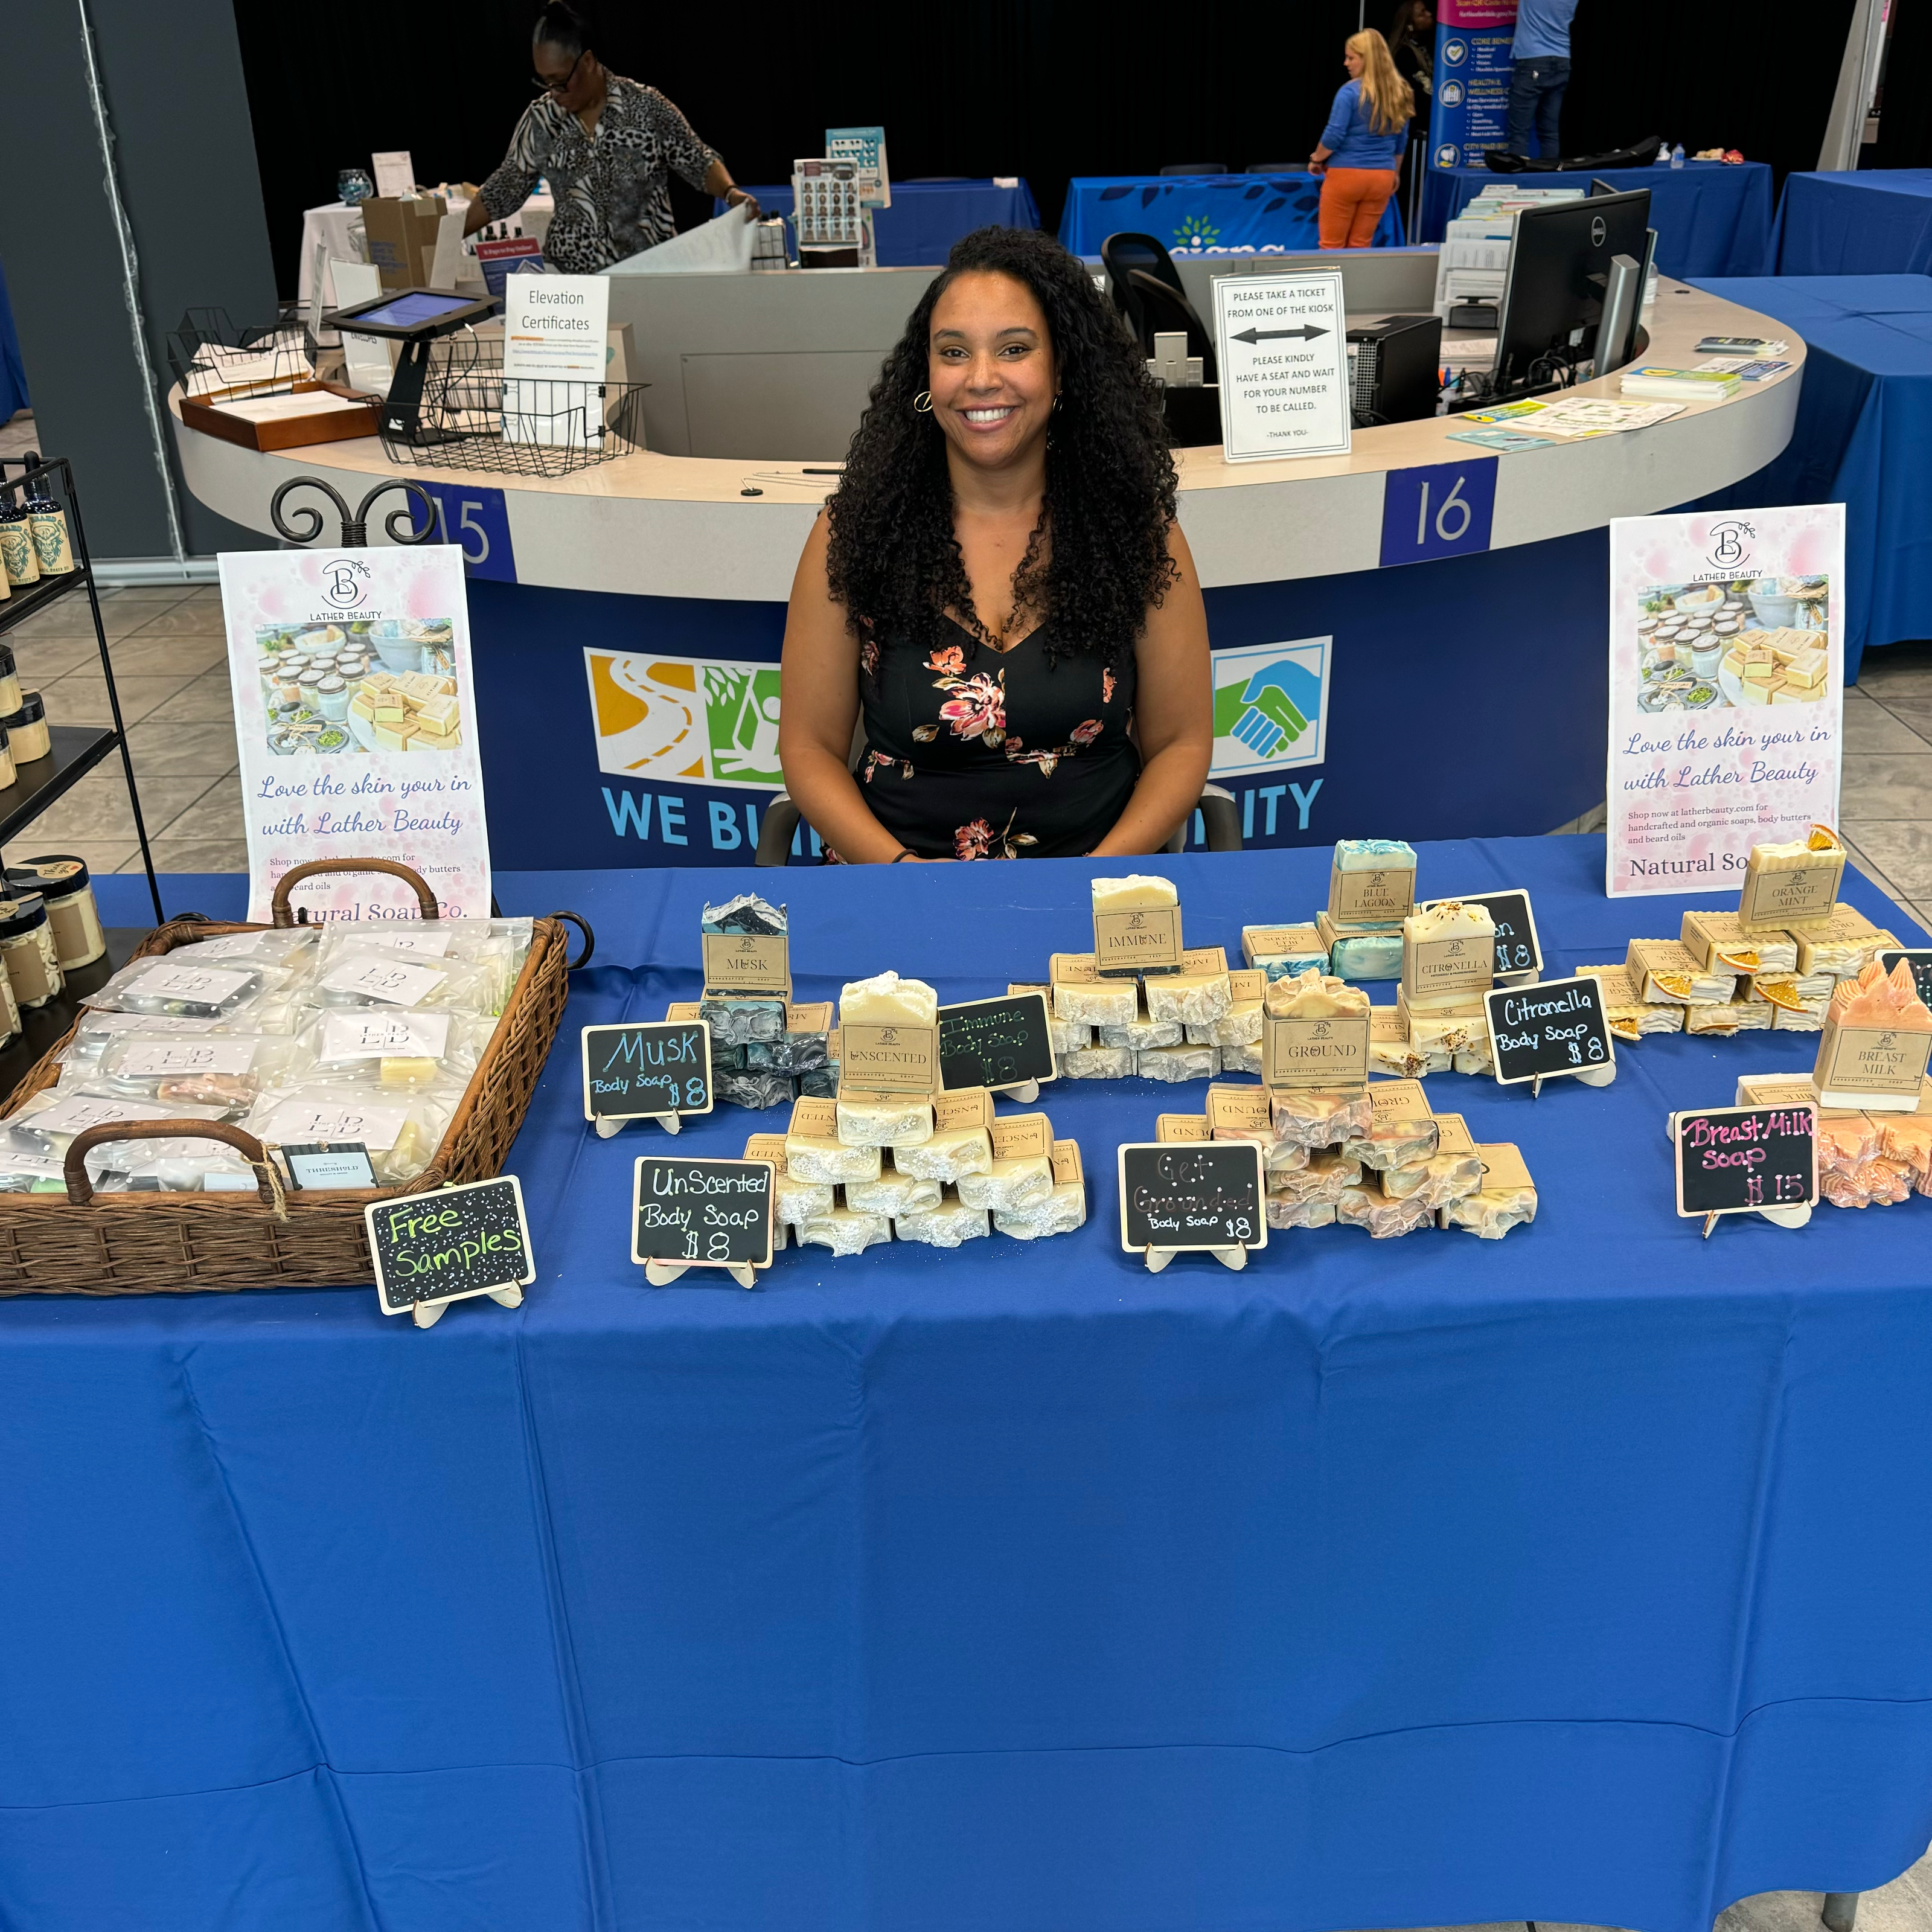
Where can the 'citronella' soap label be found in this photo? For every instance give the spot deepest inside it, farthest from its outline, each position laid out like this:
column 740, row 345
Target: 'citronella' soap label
column 1131, row 942
column 1870, row 1060
column 1434, row 966
column 888, row 1059
column 1380, row 896
column 739, row 965
column 1804, row 891
column 1322, row 1054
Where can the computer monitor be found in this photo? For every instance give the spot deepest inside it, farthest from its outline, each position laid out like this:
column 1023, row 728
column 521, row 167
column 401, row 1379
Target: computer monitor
column 1559, row 270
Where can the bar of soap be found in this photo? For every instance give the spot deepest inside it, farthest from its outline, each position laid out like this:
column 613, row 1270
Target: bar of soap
column 886, row 1000
column 1312, row 1119
column 892, row 1194
column 1099, row 1063
column 951, row 1154
column 738, row 1022
column 1069, row 1036
column 1241, row 1025
column 1715, row 939
column 945, row 1226
column 883, row 1120
column 844, row 1231
column 1445, row 1033
column 1628, row 1017
column 1284, row 952
column 1327, row 1176
column 1478, row 1056
column 1907, row 1140
column 1013, row 1183
column 1792, row 885
column 1315, row 996
column 1138, row 892
column 747, row 913
column 1667, row 970
column 797, row 1201
column 808, row 1158
column 1176, row 1063
column 1062, row 1211
column 1372, row 855
column 1368, row 1207
column 757, row 1089
column 1241, row 1060
column 1140, row 1034
column 1450, row 952
column 1366, row 955
column 1489, row 1216
column 1846, row 944
column 1283, row 1213
column 1190, row 999
column 1405, row 1143
column 1877, row 998
column 1792, row 1009
column 820, row 1084
column 1096, row 1002
column 1437, row 1181
column 1284, row 1157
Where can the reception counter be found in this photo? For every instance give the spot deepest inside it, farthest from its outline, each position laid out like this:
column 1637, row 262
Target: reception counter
column 627, row 619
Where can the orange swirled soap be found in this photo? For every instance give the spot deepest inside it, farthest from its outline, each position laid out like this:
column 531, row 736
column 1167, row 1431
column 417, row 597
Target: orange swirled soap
column 1877, row 998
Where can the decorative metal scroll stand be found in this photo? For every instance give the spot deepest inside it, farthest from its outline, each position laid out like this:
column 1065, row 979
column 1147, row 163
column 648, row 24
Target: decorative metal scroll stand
column 400, row 524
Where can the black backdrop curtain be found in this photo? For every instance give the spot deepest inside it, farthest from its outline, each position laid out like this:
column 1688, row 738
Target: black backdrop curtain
column 1905, row 127
column 980, row 87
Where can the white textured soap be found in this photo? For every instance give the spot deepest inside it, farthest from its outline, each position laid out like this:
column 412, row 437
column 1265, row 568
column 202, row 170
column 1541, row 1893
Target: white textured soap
column 944, row 1226
column 888, row 1000
column 950, row 1152
column 1099, row 1063
column 1059, row 1213
column 1008, row 1184
column 799, row 1201
column 1139, row 1035
column 845, row 1232
column 877, row 1121
column 1191, row 1001
column 812, row 1159
column 1096, row 1002
column 891, row 1194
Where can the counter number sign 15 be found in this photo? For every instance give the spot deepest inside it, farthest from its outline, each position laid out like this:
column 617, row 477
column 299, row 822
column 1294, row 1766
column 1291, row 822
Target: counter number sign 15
column 476, row 519
column 1440, row 509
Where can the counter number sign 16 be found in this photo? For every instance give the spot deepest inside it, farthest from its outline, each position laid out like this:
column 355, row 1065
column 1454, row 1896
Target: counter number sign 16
column 1441, row 509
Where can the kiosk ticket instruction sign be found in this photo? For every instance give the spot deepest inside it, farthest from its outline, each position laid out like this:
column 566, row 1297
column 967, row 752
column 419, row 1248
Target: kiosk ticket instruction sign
column 1727, row 692
column 355, row 720
column 1281, row 344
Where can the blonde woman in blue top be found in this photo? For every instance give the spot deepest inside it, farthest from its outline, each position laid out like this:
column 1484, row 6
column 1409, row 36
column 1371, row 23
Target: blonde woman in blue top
column 1359, row 157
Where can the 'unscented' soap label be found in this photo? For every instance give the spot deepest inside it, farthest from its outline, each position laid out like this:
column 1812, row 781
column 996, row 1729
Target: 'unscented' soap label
column 1380, row 896
column 1066, row 1163
column 1433, row 966
column 1021, row 1137
column 1323, row 1054
column 1129, row 942
column 1804, row 891
column 741, row 963
column 888, row 1059
column 1870, row 1060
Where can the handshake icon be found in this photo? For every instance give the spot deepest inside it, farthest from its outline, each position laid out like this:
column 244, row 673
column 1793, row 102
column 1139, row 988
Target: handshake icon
column 1269, row 718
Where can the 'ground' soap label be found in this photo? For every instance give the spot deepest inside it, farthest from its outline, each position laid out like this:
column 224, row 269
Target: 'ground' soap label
column 1319, row 1054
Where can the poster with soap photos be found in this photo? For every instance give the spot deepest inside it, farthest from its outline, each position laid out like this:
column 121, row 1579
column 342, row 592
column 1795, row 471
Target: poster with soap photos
column 355, row 724
column 1726, row 687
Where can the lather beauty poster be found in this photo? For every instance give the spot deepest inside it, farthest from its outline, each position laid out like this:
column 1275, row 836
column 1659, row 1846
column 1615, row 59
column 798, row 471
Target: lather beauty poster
column 355, row 712
column 1727, row 692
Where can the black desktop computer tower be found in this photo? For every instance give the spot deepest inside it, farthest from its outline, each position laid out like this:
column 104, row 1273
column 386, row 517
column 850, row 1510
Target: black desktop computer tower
column 1395, row 369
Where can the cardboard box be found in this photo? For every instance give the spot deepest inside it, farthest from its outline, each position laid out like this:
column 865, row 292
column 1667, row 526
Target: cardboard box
column 402, row 237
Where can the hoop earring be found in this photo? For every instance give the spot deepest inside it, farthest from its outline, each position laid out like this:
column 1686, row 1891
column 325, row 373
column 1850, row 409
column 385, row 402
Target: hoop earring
column 922, row 403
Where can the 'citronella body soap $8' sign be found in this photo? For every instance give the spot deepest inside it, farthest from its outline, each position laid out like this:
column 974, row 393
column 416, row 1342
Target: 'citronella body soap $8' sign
column 1554, row 1027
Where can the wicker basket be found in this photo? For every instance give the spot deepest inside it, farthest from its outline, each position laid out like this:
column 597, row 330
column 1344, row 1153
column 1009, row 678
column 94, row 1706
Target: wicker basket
column 289, row 1236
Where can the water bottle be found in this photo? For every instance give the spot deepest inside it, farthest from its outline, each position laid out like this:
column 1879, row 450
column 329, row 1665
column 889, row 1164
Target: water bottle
column 1677, row 155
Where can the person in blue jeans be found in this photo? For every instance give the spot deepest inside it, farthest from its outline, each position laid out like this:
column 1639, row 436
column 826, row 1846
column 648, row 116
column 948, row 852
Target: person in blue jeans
column 1540, row 53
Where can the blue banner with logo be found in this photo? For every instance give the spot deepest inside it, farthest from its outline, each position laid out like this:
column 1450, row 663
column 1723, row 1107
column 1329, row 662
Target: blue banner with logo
column 1206, row 214
column 1473, row 39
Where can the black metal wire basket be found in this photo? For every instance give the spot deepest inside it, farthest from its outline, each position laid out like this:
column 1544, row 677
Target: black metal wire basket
column 472, row 419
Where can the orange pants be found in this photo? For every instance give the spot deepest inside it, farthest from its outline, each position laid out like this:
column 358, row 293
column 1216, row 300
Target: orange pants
column 1352, row 201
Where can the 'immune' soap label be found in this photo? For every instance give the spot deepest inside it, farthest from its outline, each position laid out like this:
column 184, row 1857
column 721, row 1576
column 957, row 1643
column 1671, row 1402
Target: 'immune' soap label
column 1130, row 942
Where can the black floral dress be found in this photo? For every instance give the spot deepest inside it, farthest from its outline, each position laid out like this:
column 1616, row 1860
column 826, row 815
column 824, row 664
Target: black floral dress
column 980, row 754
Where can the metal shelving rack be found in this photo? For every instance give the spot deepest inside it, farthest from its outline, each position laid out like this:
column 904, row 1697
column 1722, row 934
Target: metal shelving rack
column 76, row 749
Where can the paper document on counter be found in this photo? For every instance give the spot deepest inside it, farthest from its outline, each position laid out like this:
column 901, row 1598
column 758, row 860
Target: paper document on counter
column 717, row 246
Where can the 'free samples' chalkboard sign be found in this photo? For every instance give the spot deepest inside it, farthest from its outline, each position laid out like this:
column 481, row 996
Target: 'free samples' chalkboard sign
column 450, row 1243
column 995, row 1043
column 1736, row 1160
column 1178, row 1195
column 702, row 1214
column 646, row 1067
column 1554, row 1027
column 1517, row 950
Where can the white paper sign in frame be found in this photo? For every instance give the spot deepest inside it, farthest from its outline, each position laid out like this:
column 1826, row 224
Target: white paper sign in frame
column 1281, row 347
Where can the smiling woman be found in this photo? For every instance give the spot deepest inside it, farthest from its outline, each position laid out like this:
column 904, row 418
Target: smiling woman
column 999, row 584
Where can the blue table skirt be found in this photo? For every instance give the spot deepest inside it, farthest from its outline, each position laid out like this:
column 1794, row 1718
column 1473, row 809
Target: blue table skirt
column 927, row 217
column 1876, row 222
column 1865, row 423
column 1205, row 214
column 1710, row 219
column 1585, row 1577
column 12, row 375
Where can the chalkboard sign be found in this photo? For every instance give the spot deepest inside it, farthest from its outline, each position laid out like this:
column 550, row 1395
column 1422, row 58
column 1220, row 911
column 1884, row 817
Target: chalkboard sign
column 995, row 1043
column 1554, row 1027
column 1181, row 1194
column 1921, row 970
column 702, row 1214
column 1736, row 1160
column 647, row 1067
column 1517, row 950
column 450, row 1243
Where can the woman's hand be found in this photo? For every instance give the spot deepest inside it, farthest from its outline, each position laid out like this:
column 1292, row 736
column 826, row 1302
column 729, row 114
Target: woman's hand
column 738, row 198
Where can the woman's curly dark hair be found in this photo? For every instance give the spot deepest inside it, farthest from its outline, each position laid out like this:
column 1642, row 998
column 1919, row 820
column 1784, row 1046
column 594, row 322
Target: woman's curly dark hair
column 894, row 563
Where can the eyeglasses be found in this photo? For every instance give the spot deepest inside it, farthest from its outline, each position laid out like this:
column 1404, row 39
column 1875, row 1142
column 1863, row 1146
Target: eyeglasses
column 562, row 86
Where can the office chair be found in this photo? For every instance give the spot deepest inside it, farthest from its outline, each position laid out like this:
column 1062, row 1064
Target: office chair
column 1197, row 168
column 1276, row 168
column 1121, row 254
column 1165, row 312
column 1220, row 825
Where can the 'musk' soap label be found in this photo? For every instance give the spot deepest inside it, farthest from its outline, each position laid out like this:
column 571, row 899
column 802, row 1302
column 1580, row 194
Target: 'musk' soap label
column 740, row 965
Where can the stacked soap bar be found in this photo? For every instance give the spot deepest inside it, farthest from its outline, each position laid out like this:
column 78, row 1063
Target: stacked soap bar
column 889, row 1113
column 1284, row 952
column 1865, row 1160
column 1136, row 925
column 1371, row 891
column 1876, row 1042
column 790, row 1050
column 1449, row 953
column 1792, row 886
column 969, row 1174
column 1506, row 1199
column 1628, row 1015
column 1361, row 952
column 1167, row 1026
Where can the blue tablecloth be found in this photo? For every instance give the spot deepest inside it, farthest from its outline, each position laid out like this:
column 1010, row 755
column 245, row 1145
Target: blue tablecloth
column 927, row 217
column 1877, row 223
column 12, row 376
column 1585, row 1577
column 1207, row 214
column 1864, row 422
column 1710, row 219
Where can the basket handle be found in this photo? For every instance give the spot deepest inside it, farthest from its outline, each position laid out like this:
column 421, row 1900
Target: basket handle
column 284, row 917
column 80, row 1189
column 583, row 925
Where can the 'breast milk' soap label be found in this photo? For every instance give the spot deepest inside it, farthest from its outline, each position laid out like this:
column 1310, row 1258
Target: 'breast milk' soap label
column 1320, row 1053
column 1870, row 1060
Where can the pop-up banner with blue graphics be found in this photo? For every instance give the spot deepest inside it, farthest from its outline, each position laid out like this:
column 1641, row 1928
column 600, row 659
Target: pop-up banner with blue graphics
column 1473, row 39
